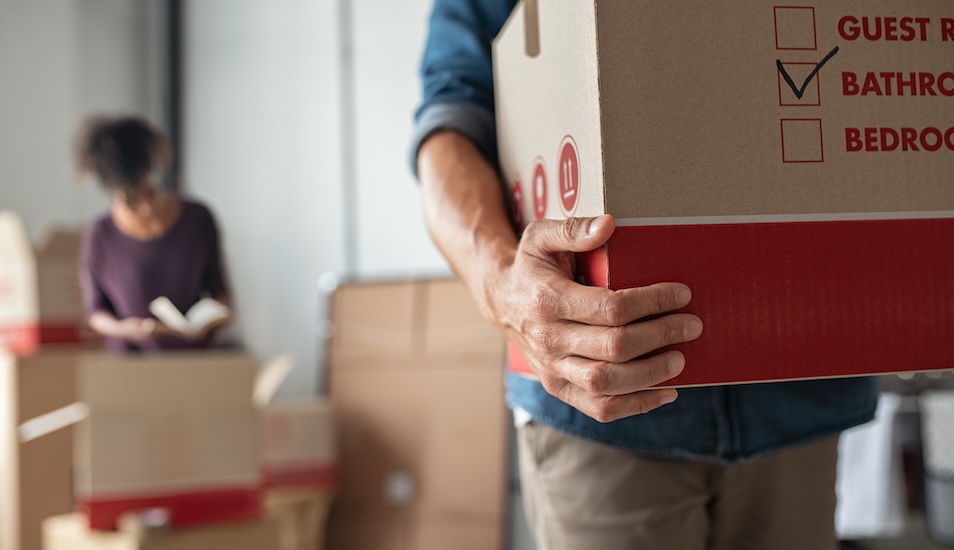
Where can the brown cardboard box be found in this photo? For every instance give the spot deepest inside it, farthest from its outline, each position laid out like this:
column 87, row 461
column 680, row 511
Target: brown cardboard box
column 70, row 532
column 40, row 297
column 176, row 430
column 417, row 382
column 36, row 478
column 62, row 318
column 301, row 516
column 19, row 312
column 429, row 317
column 300, row 445
column 790, row 163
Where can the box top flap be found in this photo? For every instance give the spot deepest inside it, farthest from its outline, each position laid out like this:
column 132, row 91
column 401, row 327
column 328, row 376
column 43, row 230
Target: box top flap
column 14, row 240
column 211, row 380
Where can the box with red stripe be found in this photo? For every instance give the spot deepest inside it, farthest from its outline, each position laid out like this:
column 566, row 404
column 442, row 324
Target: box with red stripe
column 176, row 431
column 300, row 445
column 810, row 254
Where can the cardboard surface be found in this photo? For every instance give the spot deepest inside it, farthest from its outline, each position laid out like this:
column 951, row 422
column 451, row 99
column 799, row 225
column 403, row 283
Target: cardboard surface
column 70, row 532
column 422, row 429
column 789, row 163
column 375, row 320
column 40, row 297
column 36, row 477
column 301, row 515
column 19, row 310
column 413, row 317
column 62, row 318
column 300, row 444
column 176, row 430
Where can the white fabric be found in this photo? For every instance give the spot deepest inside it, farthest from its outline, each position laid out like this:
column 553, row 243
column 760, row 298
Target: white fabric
column 521, row 417
column 870, row 483
column 937, row 432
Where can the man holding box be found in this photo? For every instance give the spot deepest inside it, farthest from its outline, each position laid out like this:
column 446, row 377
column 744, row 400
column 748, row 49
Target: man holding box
column 606, row 460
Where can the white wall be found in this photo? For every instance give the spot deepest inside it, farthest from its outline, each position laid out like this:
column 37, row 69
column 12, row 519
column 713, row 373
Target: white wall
column 388, row 39
column 59, row 61
column 266, row 148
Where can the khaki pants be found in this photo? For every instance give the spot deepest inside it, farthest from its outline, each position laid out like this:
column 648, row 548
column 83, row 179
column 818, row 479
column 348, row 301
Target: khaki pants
column 580, row 495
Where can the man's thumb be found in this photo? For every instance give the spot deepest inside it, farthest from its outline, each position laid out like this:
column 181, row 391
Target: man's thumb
column 569, row 235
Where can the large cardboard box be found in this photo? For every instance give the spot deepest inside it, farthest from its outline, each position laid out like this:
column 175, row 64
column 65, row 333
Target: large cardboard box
column 416, row 376
column 176, row 431
column 71, row 532
column 36, row 477
column 791, row 162
column 19, row 311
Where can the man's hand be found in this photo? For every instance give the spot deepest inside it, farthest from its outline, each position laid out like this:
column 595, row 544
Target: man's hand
column 588, row 345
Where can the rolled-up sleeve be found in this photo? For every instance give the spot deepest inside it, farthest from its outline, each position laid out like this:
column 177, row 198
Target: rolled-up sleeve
column 457, row 73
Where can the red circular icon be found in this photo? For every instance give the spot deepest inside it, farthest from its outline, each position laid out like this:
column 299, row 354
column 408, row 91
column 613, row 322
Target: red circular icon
column 539, row 187
column 569, row 175
column 516, row 203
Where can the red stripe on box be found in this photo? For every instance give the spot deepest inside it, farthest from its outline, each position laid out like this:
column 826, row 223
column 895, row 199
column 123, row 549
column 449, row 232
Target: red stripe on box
column 306, row 474
column 799, row 300
column 20, row 339
column 186, row 508
column 57, row 333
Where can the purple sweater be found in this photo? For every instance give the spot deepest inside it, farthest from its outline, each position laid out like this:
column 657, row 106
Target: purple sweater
column 121, row 275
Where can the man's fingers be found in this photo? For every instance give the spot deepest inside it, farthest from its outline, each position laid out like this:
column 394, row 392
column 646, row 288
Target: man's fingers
column 607, row 408
column 606, row 378
column 612, row 308
column 621, row 344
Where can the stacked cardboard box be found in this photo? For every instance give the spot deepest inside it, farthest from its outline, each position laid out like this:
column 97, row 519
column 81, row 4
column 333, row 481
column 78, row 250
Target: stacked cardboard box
column 416, row 375
column 71, row 532
column 177, row 431
column 301, row 516
column 62, row 317
column 300, row 445
column 19, row 311
column 300, row 470
column 790, row 163
column 36, row 477
column 40, row 299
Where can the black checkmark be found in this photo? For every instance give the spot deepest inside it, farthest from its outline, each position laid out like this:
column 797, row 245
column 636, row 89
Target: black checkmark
column 799, row 92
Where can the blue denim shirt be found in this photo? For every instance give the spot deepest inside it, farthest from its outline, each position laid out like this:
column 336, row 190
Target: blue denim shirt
column 723, row 424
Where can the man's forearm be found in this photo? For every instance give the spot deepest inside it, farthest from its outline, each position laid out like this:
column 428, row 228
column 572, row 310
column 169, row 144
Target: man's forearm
column 464, row 209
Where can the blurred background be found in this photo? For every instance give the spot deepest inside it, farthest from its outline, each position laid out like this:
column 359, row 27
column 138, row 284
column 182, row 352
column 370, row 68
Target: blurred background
column 291, row 120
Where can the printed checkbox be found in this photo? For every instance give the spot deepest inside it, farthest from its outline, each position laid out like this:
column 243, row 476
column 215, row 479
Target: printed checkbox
column 799, row 73
column 802, row 140
column 795, row 28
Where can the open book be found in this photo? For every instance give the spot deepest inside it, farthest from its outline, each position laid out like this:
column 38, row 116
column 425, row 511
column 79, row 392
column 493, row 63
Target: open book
column 202, row 314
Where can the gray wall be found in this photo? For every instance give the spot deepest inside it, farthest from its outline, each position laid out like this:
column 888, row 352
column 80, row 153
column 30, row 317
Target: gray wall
column 59, row 61
column 296, row 134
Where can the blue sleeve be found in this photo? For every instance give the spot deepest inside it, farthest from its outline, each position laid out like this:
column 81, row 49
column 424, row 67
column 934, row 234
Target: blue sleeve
column 457, row 73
